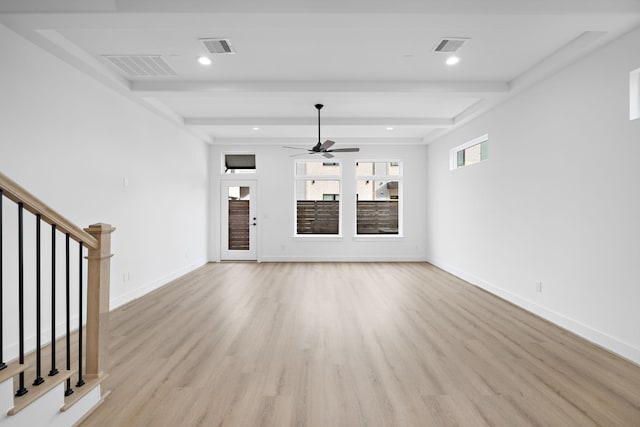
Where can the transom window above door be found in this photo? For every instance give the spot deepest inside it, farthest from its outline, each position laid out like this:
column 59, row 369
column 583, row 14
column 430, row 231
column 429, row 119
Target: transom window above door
column 238, row 163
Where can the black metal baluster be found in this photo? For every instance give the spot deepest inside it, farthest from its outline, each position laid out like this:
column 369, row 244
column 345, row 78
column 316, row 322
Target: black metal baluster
column 38, row 379
column 80, row 382
column 53, row 370
column 68, row 390
column 2, row 364
column 21, row 389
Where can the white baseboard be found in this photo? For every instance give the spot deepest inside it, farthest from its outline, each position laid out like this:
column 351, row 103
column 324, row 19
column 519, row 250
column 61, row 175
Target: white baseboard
column 587, row 332
column 153, row 285
column 325, row 258
column 11, row 350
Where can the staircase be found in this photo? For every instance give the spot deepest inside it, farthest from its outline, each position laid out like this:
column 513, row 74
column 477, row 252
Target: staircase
column 54, row 311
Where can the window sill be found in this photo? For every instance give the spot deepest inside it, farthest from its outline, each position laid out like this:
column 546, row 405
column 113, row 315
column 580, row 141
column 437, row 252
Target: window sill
column 377, row 237
column 318, row 238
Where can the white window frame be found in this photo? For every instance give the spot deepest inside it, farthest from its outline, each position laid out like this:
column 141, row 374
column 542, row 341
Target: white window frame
column 634, row 94
column 453, row 153
column 223, row 164
column 374, row 178
column 297, row 178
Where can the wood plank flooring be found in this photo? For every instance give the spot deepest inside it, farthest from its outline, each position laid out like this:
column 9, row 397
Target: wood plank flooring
column 351, row 344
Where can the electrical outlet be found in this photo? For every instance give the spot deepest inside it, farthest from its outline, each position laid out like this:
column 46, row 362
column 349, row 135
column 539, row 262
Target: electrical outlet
column 538, row 286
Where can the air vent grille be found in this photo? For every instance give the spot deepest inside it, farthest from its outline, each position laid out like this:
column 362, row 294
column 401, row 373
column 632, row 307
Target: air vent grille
column 141, row 65
column 450, row 44
column 217, row 45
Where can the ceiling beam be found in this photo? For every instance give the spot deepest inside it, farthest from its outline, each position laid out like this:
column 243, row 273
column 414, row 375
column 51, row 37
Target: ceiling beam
column 564, row 56
column 454, row 7
column 462, row 88
column 304, row 142
column 326, row 121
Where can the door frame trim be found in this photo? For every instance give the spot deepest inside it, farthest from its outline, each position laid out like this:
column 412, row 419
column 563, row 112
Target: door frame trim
column 229, row 179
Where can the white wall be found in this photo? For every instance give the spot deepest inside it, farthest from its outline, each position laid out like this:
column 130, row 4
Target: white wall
column 72, row 142
column 276, row 214
column 558, row 201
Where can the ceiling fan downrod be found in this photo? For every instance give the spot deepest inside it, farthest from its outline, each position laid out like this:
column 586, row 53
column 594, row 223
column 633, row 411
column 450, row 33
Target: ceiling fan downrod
column 316, row 148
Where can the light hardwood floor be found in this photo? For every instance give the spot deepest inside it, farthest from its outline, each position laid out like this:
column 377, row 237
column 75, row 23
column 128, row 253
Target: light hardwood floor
column 350, row 344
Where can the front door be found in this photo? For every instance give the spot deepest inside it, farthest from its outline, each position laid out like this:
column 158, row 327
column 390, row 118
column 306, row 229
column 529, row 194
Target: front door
column 239, row 221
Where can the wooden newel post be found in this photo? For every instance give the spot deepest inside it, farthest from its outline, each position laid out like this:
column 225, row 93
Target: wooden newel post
column 98, row 283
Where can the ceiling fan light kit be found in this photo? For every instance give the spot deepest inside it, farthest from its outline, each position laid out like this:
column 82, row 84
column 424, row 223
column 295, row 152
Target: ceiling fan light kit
column 324, row 148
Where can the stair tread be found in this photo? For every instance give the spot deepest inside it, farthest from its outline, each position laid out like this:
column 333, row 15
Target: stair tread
column 80, row 392
column 12, row 370
column 35, row 392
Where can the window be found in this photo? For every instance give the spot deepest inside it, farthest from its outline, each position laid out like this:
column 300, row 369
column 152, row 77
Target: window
column 317, row 197
column 378, row 198
column 239, row 199
column 474, row 151
column 239, row 163
column 634, row 95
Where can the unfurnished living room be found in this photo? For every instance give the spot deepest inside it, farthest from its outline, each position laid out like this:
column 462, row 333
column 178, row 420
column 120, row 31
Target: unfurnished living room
column 306, row 213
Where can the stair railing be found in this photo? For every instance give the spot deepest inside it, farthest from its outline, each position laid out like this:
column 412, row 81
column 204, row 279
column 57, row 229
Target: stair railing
column 97, row 241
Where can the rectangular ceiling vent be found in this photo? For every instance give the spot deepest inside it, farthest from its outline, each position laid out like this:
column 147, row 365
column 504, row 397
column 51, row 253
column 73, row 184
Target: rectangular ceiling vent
column 141, row 65
column 217, row 45
column 450, row 44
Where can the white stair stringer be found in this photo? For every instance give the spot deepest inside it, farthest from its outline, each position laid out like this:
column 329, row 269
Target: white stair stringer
column 6, row 397
column 45, row 412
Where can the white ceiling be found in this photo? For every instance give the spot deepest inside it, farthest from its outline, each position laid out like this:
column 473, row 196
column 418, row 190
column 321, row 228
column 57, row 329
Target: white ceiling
column 370, row 62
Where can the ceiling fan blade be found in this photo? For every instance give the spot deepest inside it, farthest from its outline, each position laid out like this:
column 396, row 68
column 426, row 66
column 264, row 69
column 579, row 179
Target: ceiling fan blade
column 327, row 155
column 296, row 148
column 345, row 150
column 300, row 154
column 327, row 144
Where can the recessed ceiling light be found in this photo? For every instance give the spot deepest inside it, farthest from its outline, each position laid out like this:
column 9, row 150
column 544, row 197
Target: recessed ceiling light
column 389, row 128
column 204, row 60
column 452, row 60
column 255, row 128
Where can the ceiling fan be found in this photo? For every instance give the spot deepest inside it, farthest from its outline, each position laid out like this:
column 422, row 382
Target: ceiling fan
column 323, row 148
